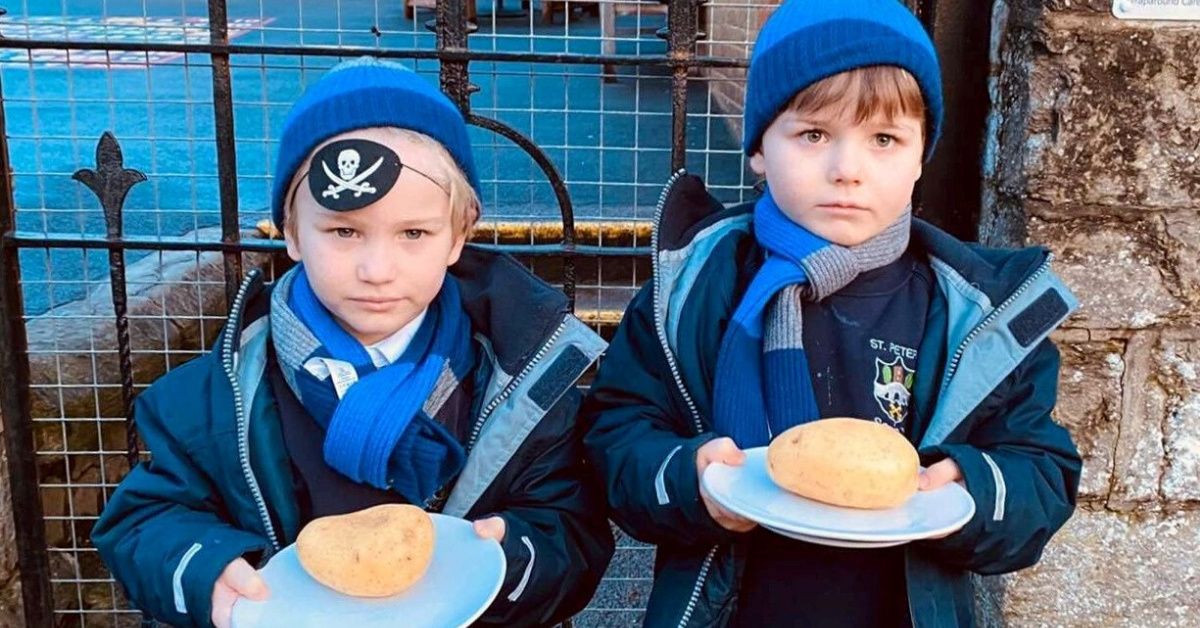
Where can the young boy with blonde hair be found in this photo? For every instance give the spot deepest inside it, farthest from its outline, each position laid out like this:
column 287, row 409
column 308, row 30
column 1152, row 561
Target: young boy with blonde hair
column 826, row 298
column 392, row 364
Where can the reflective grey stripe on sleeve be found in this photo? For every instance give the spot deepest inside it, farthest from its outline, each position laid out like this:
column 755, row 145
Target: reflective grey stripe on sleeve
column 177, row 579
column 660, row 486
column 516, row 593
column 1001, row 489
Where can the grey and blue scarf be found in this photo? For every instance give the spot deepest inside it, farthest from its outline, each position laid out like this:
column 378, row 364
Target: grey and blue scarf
column 381, row 430
column 763, row 385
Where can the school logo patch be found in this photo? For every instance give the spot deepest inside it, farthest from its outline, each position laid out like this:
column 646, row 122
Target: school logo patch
column 893, row 390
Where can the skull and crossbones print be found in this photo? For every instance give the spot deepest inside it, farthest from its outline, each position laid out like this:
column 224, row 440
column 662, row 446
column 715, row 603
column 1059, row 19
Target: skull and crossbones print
column 348, row 162
column 354, row 172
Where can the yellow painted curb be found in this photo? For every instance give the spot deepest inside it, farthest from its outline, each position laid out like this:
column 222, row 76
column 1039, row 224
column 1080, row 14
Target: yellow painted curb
column 536, row 232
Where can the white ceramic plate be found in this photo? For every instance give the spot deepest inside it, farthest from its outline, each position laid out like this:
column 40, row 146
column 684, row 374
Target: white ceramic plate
column 833, row 542
column 749, row 491
column 463, row 578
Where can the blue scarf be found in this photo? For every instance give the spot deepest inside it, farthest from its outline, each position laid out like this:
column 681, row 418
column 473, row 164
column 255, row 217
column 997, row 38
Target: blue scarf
column 380, row 432
column 763, row 385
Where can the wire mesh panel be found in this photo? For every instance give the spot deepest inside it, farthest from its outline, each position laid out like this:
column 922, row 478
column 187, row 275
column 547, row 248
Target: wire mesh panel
column 582, row 109
column 79, row 414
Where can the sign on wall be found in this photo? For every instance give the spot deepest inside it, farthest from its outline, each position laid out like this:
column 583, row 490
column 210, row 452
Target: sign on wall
column 1157, row 9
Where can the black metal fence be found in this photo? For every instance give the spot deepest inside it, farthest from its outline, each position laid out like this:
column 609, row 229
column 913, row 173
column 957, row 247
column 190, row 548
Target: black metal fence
column 650, row 88
column 64, row 462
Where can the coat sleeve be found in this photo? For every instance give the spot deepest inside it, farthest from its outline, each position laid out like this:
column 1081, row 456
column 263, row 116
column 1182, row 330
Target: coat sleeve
column 558, row 541
column 1021, row 468
column 643, row 447
column 162, row 534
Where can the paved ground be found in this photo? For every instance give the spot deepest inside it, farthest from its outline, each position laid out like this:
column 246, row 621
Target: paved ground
column 609, row 140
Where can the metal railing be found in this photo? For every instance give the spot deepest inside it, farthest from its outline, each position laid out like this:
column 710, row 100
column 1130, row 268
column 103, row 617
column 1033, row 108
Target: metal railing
column 182, row 166
column 62, row 581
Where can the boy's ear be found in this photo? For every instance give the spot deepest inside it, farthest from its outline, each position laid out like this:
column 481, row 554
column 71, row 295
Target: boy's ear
column 758, row 163
column 290, row 239
column 459, row 242
column 291, row 234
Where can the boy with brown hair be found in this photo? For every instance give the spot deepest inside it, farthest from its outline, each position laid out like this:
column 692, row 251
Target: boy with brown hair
column 826, row 298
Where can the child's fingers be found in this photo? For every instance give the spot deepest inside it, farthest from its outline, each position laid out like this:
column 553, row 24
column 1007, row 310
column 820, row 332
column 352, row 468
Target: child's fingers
column 257, row 588
column 723, row 517
column 245, row 581
column 222, row 604
column 722, row 450
column 939, row 474
column 731, row 455
column 222, row 611
column 491, row 528
column 735, row 522
column 222, row 617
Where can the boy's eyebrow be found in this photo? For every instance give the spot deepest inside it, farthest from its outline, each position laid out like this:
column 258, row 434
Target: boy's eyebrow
column 324, row 214
column 797, row 118
column 808, row 117
column 405, row 222
column 895, row 125
column 421, row 221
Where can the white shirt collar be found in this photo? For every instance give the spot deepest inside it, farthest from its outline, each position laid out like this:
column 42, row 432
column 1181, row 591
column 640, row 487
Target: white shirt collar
column 389, row 349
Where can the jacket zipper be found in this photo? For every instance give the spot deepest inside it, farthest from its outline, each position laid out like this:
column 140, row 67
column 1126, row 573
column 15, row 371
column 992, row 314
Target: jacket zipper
column 662, row 339
column 952, row 366
column 691, row 605
column 243, row 422
column 512, row 385
column 962, row 347
column 659, row 330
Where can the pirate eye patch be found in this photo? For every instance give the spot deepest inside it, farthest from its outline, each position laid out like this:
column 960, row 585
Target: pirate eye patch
column 353, row 173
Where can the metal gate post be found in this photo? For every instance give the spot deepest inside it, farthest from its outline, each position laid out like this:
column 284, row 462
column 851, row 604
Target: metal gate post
column 32, row 559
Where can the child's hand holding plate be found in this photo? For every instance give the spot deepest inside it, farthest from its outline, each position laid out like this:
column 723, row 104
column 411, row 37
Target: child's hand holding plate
column 844, row 482
column 379, row 567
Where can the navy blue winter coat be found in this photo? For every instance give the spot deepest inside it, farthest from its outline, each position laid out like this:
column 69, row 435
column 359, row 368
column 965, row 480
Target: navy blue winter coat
column 986, row 383
column 219, row 482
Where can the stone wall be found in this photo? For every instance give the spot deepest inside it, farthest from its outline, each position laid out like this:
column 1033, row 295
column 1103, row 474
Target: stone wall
column 732, row 26
column 1093, row 152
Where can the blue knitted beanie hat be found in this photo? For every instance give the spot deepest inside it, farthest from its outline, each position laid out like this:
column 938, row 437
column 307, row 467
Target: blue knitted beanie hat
column 365, row 93
column 805, row 41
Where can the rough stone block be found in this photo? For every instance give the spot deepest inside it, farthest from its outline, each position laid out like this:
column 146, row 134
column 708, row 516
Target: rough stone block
column 1110, row 569
column 1080, row 6
column 733, row 26
column 1180, row 242
column 1120, row 270
column 1178, row 372
column 1089, row 405
column 1114, row 116
column 1156, row 459
column 1138, row 461
column 74, row 346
